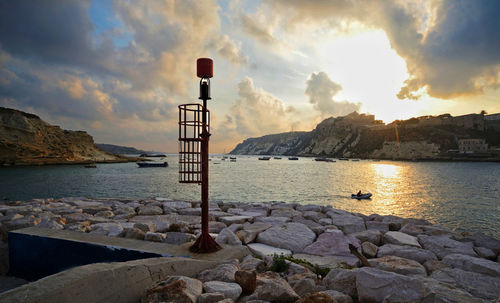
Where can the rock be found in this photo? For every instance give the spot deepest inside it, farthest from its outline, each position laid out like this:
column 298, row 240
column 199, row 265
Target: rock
column 190, row 211
column 271, row 287
column 252, row 264
column 20, row 223
column 380, row 226
column 223, row 272
column 482, row 240
column 273, row 220
column 332, row 243
column 444, row 245
column 76, row 217
column 315, row 227
column 399, row 238
column 175, row 289
column 468, row 263
column 145, row 227
column 317, row 297
column 430, row 230
column 373, row 236
column 178, row 238
column 212, row 297
column 343, row 280
column 235, row 227
column 4, row 259
column 226, row 236
column 230, row 290
column 133, row 233
column 247, row 280
column 105, row 214
column 213, row 227
column 46, row 223
column 310, row 207
column 486, row 253
column 263, row 250
column 234, row 219
column 369, row 249
column 154, row 237
column 325, row 221
column 79, row 227
column 304, row 286
column 314, row 216
column 257, row 226
column 149, row 210
column 281, row 235
column 285, row 212
column 338, row 296
column 407, row 252
column 373, row 285
column 445, row 293
column 323, row 261
column 106, row 229
column 481, row 286
column 348, row 223
column 177, row 205
column 399, row 265
column 247, row 236
column 433, row 265
column 227, row 300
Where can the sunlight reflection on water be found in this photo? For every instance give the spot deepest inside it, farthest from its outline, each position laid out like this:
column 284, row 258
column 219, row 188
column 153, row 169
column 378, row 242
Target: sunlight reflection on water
column 461, row 195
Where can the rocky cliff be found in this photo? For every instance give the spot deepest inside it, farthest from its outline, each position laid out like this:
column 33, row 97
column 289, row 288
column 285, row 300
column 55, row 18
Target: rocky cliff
column 361, row 136
column 25, row 139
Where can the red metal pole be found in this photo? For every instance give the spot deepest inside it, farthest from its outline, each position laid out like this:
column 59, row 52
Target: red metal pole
column 205, row 243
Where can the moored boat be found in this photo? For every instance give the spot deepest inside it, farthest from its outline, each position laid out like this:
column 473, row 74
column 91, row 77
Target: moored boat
column 264, row 158
column 152, row 164
column 293, row 158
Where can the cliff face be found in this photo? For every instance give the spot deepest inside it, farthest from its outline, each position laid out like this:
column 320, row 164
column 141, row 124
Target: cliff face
column 25, row 139
column 361, row 136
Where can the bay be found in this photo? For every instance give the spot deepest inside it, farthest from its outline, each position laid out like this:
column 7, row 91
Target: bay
column 465, row 196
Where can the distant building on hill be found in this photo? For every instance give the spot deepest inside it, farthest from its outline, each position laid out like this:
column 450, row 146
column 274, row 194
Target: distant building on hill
column 469, row 146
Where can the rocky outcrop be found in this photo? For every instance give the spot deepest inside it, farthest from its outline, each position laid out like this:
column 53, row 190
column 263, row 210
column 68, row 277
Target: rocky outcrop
column 361, row 136
column 25, row 139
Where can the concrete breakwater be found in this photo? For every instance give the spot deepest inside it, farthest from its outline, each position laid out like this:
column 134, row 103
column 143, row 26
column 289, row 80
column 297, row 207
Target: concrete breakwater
column 411, row 260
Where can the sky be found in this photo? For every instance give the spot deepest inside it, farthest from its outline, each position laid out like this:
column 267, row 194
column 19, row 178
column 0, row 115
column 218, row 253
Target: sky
column 118, row 69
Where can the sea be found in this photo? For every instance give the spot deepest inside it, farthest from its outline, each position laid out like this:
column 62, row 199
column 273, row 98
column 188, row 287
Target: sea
column 461, row 195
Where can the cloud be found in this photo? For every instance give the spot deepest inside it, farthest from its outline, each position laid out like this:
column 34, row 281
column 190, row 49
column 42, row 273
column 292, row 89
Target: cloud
column 255, row 113
column 55, row 61
column 322, row 91
column 451, row 47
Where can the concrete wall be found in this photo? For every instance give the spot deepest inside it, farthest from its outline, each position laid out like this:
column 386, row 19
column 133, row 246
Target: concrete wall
column 105, row 282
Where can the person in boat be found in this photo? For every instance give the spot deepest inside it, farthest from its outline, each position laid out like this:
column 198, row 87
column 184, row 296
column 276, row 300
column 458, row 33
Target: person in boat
column 359, row 194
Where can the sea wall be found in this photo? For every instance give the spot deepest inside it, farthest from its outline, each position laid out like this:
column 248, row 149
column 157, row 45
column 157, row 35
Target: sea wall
column 330, row 253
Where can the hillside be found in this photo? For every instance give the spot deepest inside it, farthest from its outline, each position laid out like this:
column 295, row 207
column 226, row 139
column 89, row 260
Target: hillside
column 25, row 139
column 361, row 136
column 120, row 150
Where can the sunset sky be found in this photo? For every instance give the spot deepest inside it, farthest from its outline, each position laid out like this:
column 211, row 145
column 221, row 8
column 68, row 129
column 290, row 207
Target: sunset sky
column 119, row 69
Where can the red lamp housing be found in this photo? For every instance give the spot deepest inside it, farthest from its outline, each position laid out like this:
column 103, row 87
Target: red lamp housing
column 204, row 68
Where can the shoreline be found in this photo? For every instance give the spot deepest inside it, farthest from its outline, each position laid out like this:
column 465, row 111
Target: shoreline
column 403, row 248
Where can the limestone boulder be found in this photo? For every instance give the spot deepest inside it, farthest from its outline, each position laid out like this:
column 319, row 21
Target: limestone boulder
column 310, row 207
column 263, row 250
column 370, row 235
column 407, row 252
column 313, row 215
column 175, row 289
column 343, row 280
column 438, row 292
column 348, row 223
column 213, row 297
column 223, row 272
column 374, row 285
column 106, row 229
column 376, row 225
column 230, row 290
column 273, row 220
column 399, row 265
column 445, row 245
column 369, row 249
column 146, row 210
column 478, row 285
column 482, row 240
column 247, row 279
column 285, row 212
column 433, row 265
column 399, row 238
column 250, row 263
column 133, row 233
column 226, row 236
column 190, row 211
column 280, row 236
column 327, row 261
column 468, row 263
column 486, row 253
column 178, row 238
column 177, row 204
column 332, row 243
column 247, row 236
column 154, row 237
column 271, row 287
column 338, row 296
column 304, row 286
column 52, row 224
column 234, row 219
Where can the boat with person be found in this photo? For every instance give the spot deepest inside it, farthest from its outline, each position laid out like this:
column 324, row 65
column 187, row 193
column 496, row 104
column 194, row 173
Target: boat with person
column 361, row 196
column 152, row 164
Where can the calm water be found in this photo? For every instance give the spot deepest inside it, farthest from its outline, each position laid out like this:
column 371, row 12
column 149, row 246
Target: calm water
column 461, row 195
